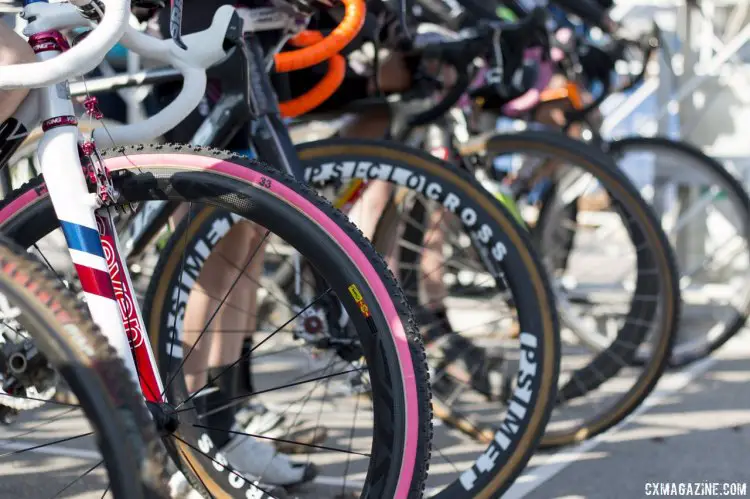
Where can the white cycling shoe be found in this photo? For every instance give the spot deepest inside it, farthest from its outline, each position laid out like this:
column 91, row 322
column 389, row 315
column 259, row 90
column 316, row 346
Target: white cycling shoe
column 295, row 437
column 253, row 456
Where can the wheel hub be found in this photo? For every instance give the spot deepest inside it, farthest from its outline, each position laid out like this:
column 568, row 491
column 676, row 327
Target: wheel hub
column 165, row 416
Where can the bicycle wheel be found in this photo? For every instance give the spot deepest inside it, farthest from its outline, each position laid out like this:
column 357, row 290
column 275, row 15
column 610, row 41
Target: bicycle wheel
column 390, row 353
column 616, row 302
column 48, row 338
column 682, row 184
column 511, row 328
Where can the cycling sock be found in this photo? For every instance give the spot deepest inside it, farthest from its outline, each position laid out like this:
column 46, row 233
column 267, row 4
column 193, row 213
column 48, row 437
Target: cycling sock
column 220, row 419
column 245, row 378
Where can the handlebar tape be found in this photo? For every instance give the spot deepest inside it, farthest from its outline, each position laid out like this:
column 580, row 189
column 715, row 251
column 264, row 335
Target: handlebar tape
column 326, row 48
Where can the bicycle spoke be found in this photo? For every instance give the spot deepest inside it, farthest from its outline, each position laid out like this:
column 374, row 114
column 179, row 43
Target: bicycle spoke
column 46, row 444
column 205, row 328
column 248, row 354
column 289, row 385
column 192, row 468
column 350, row 452
column 49, row 265
column 179, row 291
column 56, row 418
column 80, row 477
column 26, row 397
column 274, row 439
column 234, row 472
column 288, row 406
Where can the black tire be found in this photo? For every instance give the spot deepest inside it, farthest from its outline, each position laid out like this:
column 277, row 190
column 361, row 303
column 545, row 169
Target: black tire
column 62, row 329
column 231, row 192
column 686, row 154
column 648, row 320
column 328, row 162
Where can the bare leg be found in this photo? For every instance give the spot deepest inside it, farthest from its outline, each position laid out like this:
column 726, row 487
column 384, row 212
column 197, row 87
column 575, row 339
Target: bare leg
column 231, row 321
column 433, row 261
column 218, row 346
column 13, row 50
column 366, row 214
column 367, row 210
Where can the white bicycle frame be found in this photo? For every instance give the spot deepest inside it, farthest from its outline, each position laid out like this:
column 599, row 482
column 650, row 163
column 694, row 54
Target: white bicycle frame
column 84, row 217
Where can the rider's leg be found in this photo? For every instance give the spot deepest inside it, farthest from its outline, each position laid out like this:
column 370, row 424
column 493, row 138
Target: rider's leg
column 394, row 76
column 433, row 262
column 216, row 315
column 219, row 312
column 235, row 319
column 366, row 212
column 13, row 50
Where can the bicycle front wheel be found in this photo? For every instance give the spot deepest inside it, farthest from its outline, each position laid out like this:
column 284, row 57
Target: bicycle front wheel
column 388, row 349
column 504, row 320
column 705, row 212
column 614, row 271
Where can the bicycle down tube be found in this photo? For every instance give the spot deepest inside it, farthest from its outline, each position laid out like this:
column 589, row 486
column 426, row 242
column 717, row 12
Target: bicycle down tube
column 88, row 229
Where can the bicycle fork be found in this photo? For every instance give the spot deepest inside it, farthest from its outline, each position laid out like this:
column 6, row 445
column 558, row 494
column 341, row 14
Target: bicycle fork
column 87, row 226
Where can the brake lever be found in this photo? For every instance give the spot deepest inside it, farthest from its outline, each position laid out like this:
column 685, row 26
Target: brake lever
column 175, row 23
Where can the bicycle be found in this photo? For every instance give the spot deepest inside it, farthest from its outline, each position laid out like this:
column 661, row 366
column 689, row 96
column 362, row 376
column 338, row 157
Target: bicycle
column 84, row 187
column 703, row 185
column 402, row 164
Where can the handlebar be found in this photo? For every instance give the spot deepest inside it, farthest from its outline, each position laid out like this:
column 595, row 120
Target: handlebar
column 323, row 89
column 198, row 52
column 80, row 59
column 461, row 51
column 326, row 48
column 205, row 48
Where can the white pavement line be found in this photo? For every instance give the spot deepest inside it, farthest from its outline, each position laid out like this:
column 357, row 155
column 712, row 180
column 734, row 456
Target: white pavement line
column 54, row 450
column 338, row 481
column 557, row 462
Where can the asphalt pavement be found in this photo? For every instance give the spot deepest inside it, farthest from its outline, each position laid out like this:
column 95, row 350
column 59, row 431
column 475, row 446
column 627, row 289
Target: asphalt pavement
column 694, row 430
